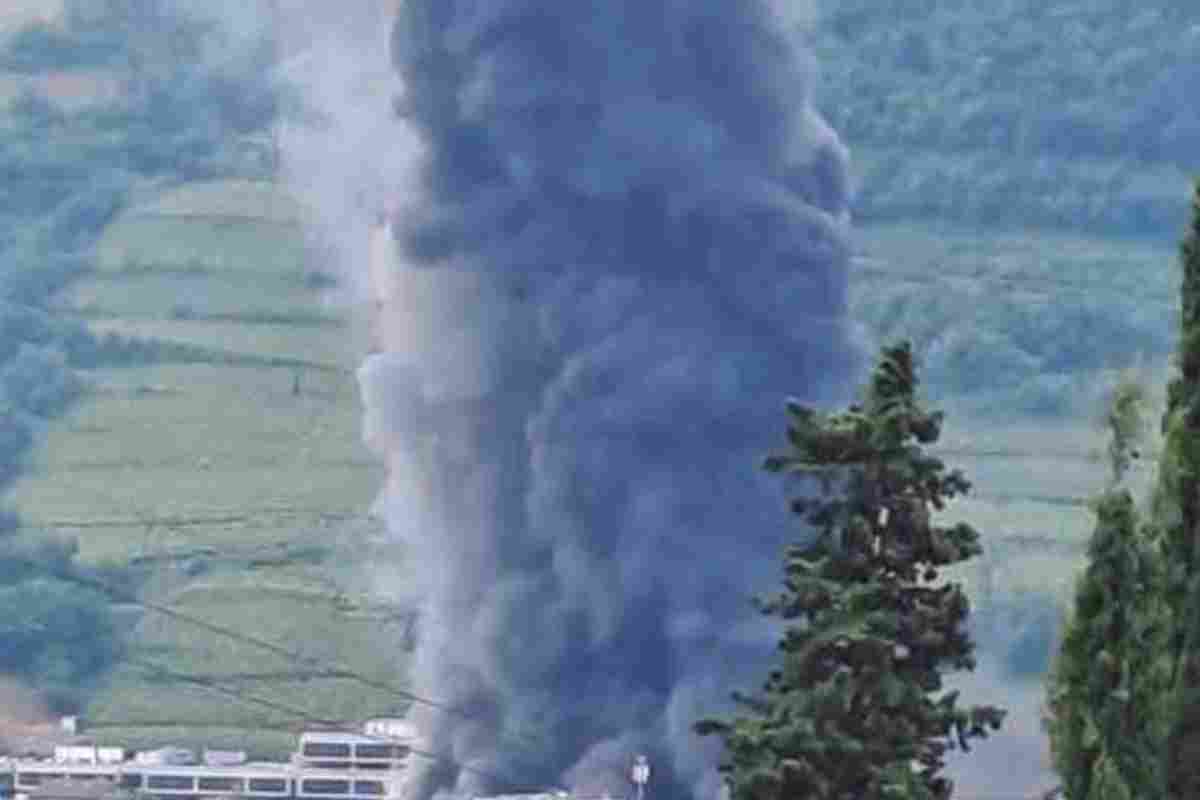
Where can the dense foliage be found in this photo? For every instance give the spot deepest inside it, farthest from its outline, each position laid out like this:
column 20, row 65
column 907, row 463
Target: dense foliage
column 1016, row 112
column 1020, row 116
column 854, row 710
column 58, row 635
column 1023, row 351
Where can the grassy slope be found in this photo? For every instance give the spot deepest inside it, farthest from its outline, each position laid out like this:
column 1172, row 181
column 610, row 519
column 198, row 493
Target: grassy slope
column 246, row 500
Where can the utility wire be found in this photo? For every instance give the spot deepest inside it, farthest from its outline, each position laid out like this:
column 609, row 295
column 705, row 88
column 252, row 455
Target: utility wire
column 271, row 647
column 294, row 712
column 310, row 718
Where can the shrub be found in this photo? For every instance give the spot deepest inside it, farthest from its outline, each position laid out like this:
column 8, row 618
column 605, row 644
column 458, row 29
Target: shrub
column 39, row 381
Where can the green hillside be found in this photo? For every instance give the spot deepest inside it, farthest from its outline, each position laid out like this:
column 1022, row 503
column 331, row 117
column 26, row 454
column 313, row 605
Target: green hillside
column 240, row 492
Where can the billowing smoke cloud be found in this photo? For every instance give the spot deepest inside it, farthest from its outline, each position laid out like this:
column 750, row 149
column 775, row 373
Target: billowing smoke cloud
column 626, row 248
column 618, row 242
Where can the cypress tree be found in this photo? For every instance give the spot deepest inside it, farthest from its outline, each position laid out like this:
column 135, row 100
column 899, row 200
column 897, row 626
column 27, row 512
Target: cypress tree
column 1105, row 689
column 1180, row 501
column 1166, row 619
column 855, row 711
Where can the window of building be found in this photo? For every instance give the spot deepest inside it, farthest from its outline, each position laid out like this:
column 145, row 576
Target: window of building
column 37, row 778
column 319, row 786
column 131, row 780
column 373, row 751
column 327, row 750
column 330, row 764
column 169, row 782
column 368, row 787
column 268, row 785
column 220, row 784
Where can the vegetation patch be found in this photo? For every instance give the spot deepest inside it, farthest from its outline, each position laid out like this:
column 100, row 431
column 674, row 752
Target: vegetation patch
column 1010, row 113
column 241, row 245
column 239, row 296
column 227, row 199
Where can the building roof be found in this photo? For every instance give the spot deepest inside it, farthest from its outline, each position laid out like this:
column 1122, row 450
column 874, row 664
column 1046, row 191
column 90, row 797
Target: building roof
column 336, row 737
column 78, row 790
column 254, row 769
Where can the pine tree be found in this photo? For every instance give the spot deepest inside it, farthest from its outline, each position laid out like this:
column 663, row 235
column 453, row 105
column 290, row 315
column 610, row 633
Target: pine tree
column 855, row 710
column 1106, row 686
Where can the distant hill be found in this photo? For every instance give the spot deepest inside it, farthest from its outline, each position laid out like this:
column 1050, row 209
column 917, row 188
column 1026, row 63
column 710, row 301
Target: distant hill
column 1075, row 114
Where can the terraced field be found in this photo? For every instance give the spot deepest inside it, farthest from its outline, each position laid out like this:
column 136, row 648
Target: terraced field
column 1029, row 501
column 242, row 490
column 176, row 242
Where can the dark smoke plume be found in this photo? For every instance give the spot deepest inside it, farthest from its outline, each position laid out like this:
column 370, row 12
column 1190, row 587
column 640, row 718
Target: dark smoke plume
column 624, row 245
column 621, row 243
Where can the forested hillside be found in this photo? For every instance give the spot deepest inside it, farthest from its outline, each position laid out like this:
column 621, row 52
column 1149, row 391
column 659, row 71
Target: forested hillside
column 1064, row 114
column 1036, row 155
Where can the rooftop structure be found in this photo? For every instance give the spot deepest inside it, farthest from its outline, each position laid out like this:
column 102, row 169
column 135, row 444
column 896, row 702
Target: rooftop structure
column 328, row 765
column 75, row 790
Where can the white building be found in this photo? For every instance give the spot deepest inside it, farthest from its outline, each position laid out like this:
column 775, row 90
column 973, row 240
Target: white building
column 327, row 766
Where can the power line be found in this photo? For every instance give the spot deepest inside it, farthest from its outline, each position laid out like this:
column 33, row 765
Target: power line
column 255, row 641
column 271, row 647
column 303, row 714
column 300, row 714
